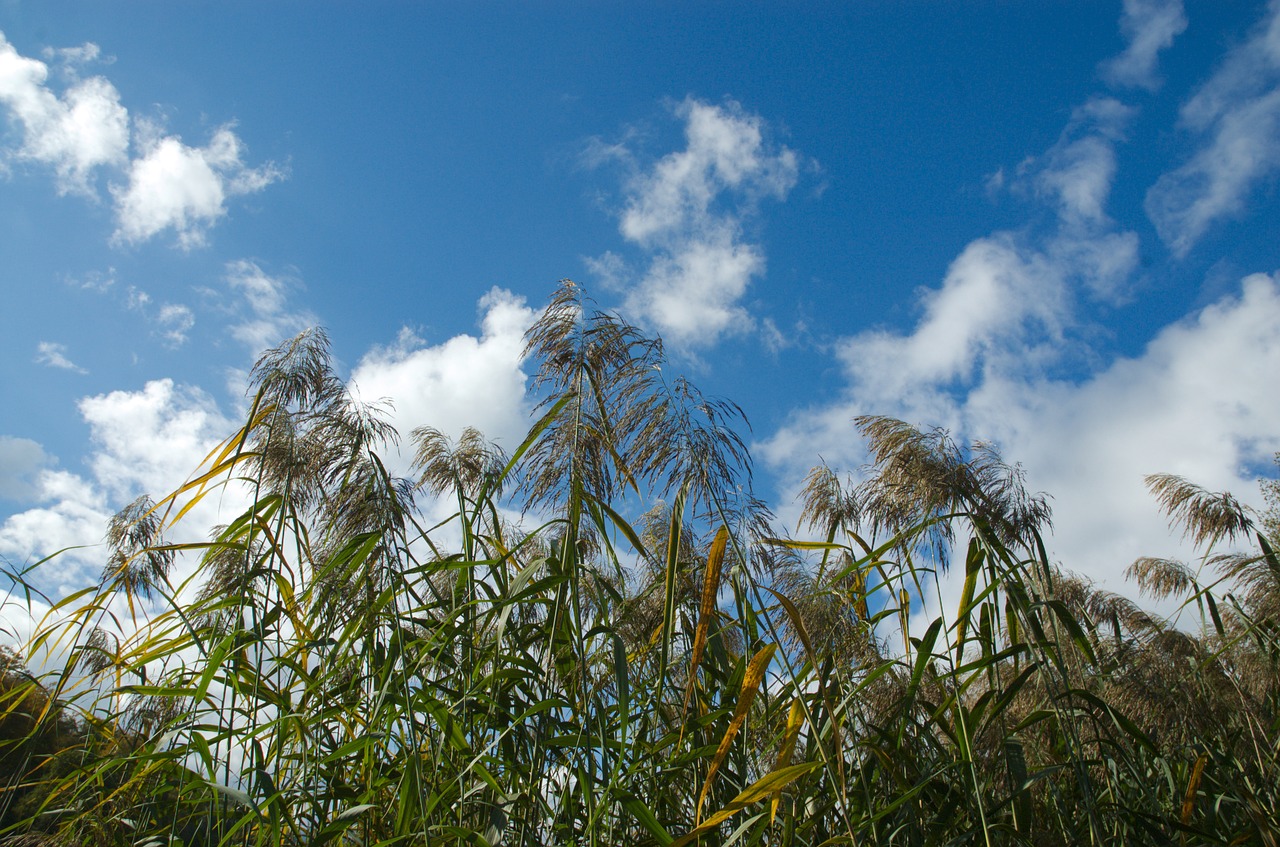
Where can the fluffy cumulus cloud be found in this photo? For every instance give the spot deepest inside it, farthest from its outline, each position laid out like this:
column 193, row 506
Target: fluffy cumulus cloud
column 996, row 297
column 144, row 442
column 691, row 294
column 167, row 186
column 1194, row 403
column 185, row 189
column 1148, row 26
column 1236, row 118
column 1190, row 404
column 686, row 214
column 466, row 381
column 75, row 131
column 150, row 441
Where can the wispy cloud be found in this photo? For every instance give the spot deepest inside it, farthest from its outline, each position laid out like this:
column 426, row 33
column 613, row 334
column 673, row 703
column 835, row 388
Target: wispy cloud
column 72, row 57
column 1237, row 116
column 99, row 281
column 1149, row 26
column 686, row 214
column 175, row 322
column 263, row 316
column 1075, row 176
column 55, row 356
column 172, row 321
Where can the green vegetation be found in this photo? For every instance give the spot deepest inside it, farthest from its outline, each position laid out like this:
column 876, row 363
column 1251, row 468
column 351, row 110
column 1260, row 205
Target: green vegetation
column 337, row 673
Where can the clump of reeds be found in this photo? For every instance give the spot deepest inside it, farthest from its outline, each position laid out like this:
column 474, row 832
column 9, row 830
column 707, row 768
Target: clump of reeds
column 335, row 672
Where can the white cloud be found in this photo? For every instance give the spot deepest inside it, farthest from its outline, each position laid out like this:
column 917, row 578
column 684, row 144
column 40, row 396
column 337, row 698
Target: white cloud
column 71, row 56
column 73, row 519
column 466, row 381
column 773, row 338
column 172, row 320
column 1103, row 262
column 1077, row 172
column 136, row 299
column 1215, row 183
column 1008, row 300
column 725, row 150
column 152, row 440
column 265, row 295
column 55, row 356
column 148, row 441
column 1238, row 113
column 74, row 133
column 997, row 295
column 99, row 281
column 173, row 186
column 21, row 459
column 145, row 442
column 169, row 185
column 691, row 293
column 1248, row 70
column 1194, row 403
column 687, row 212
column 1076, row 176
column 1149, row 26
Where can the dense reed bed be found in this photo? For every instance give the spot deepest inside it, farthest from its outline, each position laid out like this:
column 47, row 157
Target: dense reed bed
column 608, row 643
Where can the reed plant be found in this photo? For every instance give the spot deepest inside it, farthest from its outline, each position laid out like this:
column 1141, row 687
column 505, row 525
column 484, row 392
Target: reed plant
column 608, row 642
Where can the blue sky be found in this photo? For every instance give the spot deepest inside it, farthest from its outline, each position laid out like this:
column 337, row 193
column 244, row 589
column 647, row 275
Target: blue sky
column 1048, row 224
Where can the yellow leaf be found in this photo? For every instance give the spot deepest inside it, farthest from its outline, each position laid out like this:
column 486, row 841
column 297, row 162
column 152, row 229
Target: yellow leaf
column 710, row 588
column 758, row 790
column 750, row 685
column 794, row 719
column 1193, row 785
